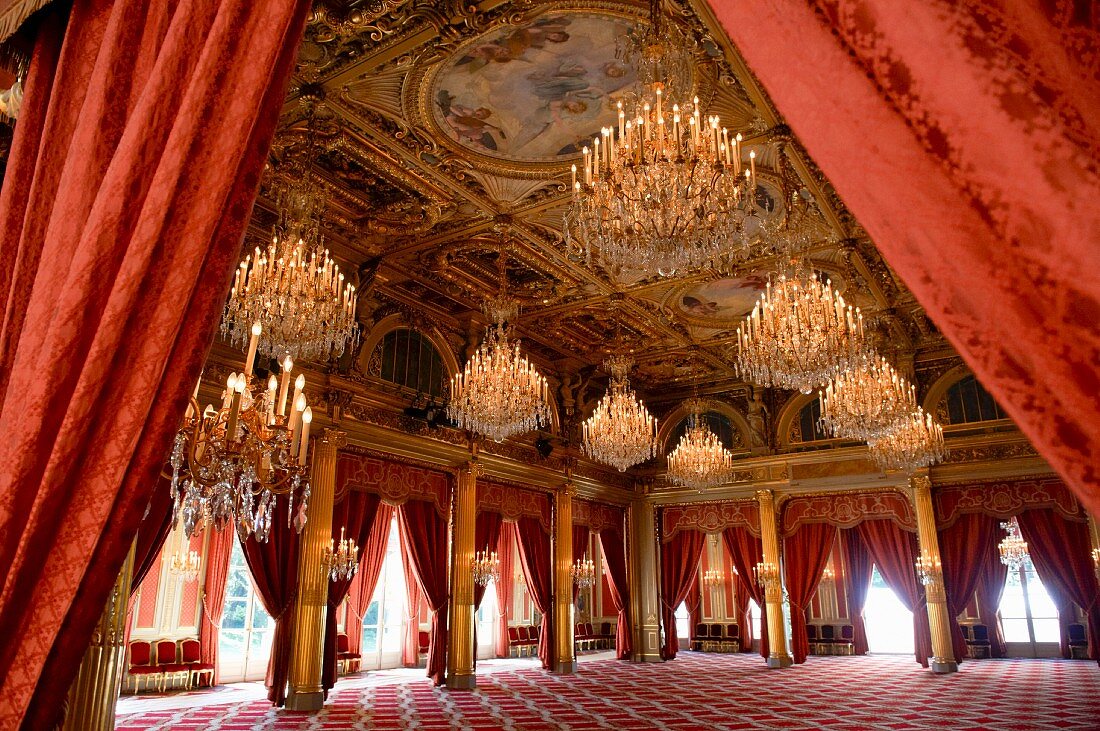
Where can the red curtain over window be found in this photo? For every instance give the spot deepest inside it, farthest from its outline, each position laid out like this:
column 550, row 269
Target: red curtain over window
column 1059, row 550
column 372, row 557
column 894, row 551
column 858, row 567
column 534, row 556
column 580, row 550
column 965, row 546
column 487, row 531
column 613, row 546
column 152, row 533
column 218, row 552
column 274, row 568
column 963, row 137
column 130, row 180
column 410, row 652
column 745, row 552
column 680, row 558
column 506, row 546
column 425, row 532
column 991, row 585
column 805, row 554
column 355, row 516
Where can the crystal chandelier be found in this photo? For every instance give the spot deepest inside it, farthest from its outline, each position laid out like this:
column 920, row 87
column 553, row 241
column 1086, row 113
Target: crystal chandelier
column 584, row 573
column 800, row 334
column 663, row 192
column 916, row 441
column 485, row 567
column 1013, row 547
column 499, row 393
column 293, row 287
column 232, row 463
column 185, row 565
column 867, row 401
column 766, row 574
column 620, row 432
column 340, row 560
column 828, row 575
column 929, row 569
column 699, row 461
column 713, row 578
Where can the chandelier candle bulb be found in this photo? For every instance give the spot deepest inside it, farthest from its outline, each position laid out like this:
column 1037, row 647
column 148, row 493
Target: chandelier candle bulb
column 295, row 410
column 284, row 384
column 272, row 388
column 253, row 343
column 303, row 450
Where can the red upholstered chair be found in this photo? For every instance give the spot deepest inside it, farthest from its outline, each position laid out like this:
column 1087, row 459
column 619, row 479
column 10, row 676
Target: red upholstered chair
column 513, row 640
column 191, row 659
column 581, row 638
column 423, row 643
column 172, row 670
column 535, row 630
column 344, row 657
column 731, row 640
column 716, row 637
column 141, row 665
column 811, row 637
column 1078, row 642
column 524, row 640
column 701, row 637
column 607, row 632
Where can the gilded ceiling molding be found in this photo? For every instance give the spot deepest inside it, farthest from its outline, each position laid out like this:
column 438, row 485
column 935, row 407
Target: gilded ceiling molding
column 847, row 510
column 598, row 516
column 514, row 501
column 1005, row 498
column 392, row 478
column 710, row 517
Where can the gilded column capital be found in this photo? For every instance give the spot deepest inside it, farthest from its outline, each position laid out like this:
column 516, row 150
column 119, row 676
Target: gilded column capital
column 334, row 438
column 920, row 482
column 569, row 489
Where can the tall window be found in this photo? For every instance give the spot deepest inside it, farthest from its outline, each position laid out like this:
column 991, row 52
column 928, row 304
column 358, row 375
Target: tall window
column 409, row 359
column 754, row 614
column 968, row 402
column 807, row 427
column 717, row 423
column 487, row 618
column 1028, row 614
column 683, row 621
column 385, row 618
column 889, row 623
column 244, row 641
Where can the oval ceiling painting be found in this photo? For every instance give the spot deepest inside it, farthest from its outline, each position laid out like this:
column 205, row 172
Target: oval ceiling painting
column 723, row 300
column 536, row 92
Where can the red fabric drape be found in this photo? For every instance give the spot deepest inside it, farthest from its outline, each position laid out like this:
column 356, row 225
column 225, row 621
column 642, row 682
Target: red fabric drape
column 371, row 558
column 355, row 514
column 744, row 616
column 694, row 602
column 506, row 546
column 534, row 558
column 274, row 568
column 991, row 585
column 130, row 180
column 988, row 111
column 613, row 545
column 965, row 546
column 425, row 532
column 218, row 552
column 410, row 652
column 745, row 552
column 580, row 550
column 894, row 551
column 151, row 534
column 1059, row 550
column 805, row 554
column 679, row 567
column 858, row 567
column 486, row 537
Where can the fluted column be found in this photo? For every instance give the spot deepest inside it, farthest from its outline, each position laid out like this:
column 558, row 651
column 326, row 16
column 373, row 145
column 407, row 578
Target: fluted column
column 460, row 653
column 939, row 617
column 565, row 657
column 645, row 607
column 92, row 696
column 778, row 656
column 307, row 652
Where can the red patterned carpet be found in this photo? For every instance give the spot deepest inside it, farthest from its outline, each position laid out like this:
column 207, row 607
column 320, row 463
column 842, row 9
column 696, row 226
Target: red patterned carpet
column 700, row 692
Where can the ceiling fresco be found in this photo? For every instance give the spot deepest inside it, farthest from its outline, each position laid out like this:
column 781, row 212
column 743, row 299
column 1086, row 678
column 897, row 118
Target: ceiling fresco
column 447, row 130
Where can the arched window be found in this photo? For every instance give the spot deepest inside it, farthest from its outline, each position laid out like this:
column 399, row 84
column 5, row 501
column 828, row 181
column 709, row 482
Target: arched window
column 409, row 359
column 720, row 424
column 968, row 401
column 807, row 426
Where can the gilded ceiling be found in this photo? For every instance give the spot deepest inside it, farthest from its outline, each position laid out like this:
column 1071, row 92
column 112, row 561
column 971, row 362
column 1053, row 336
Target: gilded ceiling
column 443, row 128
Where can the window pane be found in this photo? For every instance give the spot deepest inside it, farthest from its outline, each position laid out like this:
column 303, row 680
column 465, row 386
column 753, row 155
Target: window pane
column 371, row 617
column 260, row 618
column 370, row 639
column 1041, row 603
column 392, row 638
column 237, row 584
column 1046, row 630
column 1015, row 630
column 1012, row 602
column 231, row 643
column 234, row 613
column 260, row 647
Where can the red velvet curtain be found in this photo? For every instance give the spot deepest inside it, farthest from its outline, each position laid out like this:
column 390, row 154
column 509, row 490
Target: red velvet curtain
column 965, row 546
column 613, row 545
column 991, row 585
column 805, row 554
column 694, row 602
column 129, row 183
column 355, row 515
column 580, row 550
column 218, row 552
column 744, row 616
column 985, row 201
column 858, row 567
column 274, row 568
column 1059, row 550
column 152, row 533
column 410, row 652
column 745, row 552
column 680, row 559
column 506, row 547
column 535, row 559
column 372, row 556
column 425, row 532
column 894, row 551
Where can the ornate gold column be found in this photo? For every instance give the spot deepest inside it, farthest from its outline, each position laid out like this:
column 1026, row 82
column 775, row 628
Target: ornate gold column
column 645, row 607
column 460, row 653
column 939, row 617
column 778, row 656
column 307, row 653
column 92, row 696
column 564, row 654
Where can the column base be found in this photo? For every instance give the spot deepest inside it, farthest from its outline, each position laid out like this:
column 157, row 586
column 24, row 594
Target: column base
column 647, row 657
column 566, row 667
column 465, row 681
column 310, row 700
column 780, row 661
column 939, row 665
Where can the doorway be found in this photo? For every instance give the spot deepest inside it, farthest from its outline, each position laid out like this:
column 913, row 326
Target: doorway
column 386, row 615
column 244, row 640
column 889, row 623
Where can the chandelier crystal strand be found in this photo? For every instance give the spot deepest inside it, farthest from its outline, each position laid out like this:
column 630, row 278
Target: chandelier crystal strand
column 800, row 334
column 1013, row 547
column 293, row 288
column 916, row 442
column 621, row 432
column 867, row 401
column 699, row 460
